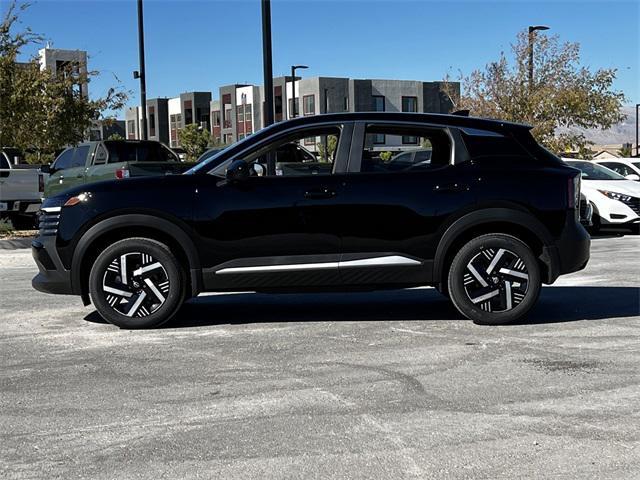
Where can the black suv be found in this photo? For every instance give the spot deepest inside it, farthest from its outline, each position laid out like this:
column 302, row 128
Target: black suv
column 486, row 217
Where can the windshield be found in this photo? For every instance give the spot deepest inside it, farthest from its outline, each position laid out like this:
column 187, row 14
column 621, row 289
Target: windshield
column 209, row 155
column 593, row 171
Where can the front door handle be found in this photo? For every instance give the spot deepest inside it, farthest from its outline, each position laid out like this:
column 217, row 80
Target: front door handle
column 451, row 187
column 319, row 193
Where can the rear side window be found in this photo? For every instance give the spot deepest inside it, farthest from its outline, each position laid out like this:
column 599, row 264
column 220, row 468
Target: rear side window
column 80, row 156
column 139, row 152
column 64, row 160
column 402, row 148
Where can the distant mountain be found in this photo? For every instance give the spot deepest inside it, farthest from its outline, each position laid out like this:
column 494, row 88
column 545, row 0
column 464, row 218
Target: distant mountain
column 624, row 132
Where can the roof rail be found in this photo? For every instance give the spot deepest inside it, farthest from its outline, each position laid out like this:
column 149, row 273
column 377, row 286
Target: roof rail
column 461, row 113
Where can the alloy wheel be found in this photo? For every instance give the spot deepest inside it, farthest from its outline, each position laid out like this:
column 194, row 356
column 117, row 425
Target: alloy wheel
column 135, row 284
column 496, row 280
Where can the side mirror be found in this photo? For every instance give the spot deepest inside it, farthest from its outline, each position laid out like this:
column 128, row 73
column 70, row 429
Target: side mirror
column 238, row 171
column 634, row 177
column 46, row 169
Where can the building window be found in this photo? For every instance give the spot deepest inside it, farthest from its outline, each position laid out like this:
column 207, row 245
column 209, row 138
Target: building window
column 345, row 104
column 277, row 103
column 310, row 141
column 378, row 103
column 309, row 104
column 152, row 122
column 409, row 104
column 131, row 129
column 188, row 116
column 227, row 118
column 216, row 118
column 292, row 112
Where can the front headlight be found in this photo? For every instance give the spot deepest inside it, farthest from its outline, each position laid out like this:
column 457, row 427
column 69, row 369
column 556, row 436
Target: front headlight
column 621, row 197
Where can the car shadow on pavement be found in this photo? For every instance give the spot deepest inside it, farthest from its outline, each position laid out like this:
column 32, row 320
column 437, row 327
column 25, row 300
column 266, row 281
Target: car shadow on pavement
column 556, row 305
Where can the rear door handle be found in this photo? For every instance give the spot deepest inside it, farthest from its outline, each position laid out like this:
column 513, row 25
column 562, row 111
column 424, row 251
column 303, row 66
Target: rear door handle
column 319, row 193
column 451, row 187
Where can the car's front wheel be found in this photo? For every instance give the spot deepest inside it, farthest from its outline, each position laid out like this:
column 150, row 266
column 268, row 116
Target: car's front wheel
column 137, row 283
column 494, row 279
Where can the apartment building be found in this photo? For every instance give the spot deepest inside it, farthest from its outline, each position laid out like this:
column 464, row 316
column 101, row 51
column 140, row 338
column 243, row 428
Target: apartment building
column 167, row 116
column 239, row 112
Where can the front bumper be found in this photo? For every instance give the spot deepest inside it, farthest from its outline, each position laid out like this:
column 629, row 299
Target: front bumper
column 570, row 251
column 52, row 276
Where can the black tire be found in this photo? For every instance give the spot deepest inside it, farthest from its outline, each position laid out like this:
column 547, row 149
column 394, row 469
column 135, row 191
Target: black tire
column 153, row 288
column 493, row 263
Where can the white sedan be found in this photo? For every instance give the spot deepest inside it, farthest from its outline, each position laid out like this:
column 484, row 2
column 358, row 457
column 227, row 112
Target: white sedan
column 615, row 200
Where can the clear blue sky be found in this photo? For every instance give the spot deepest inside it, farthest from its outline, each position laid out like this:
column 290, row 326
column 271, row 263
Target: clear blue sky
column 202, row 45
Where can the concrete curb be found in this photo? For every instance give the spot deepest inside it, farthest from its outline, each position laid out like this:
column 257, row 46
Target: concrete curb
column 15, row 243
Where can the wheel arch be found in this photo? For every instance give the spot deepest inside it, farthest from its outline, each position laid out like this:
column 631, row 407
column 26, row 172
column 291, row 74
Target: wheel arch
column 518, row 223
column 117, row 228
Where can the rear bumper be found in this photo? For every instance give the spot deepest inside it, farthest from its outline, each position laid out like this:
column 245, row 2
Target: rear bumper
column 52, row 276
column 569, row 253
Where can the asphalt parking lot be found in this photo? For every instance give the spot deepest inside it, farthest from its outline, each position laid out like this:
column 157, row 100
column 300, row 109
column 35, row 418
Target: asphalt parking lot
column 370, row 385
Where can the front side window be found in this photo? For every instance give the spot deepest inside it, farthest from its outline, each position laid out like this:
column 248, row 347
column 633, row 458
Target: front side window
column 432, row 149
column 294, row 155
column 64, row 160
column 80, row 156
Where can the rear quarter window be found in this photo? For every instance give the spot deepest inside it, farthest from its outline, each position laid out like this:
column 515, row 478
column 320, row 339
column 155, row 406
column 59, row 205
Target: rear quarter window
column 484, row 143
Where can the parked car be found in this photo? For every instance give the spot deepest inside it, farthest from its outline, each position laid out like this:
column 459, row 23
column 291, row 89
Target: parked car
column 181, row 153
column 209, row 153
column 491, row 218
column 108, row 160
column 21, row 187
column 629, row 168
column 416, row 158
column 615, row 200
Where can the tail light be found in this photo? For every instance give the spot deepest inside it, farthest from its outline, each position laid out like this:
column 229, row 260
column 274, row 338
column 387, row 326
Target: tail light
column 40, row 183
column 573, row 192
column 122, row 173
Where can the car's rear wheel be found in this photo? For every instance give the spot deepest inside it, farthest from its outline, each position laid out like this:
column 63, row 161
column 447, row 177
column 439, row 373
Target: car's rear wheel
column 137, row 283
column 494, row 279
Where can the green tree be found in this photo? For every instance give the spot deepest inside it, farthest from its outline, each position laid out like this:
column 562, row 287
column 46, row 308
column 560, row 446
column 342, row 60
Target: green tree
column 115, row 136
column 329, row 152
column 194, row 139
column 42, row 110
column 625, row 151
column 563, row 94
column 386, row 156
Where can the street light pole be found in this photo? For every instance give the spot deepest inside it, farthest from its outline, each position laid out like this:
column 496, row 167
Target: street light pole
column 142, row 73
column 532, row 29
column 266, row 63
column 293, row 87
column 637, row 132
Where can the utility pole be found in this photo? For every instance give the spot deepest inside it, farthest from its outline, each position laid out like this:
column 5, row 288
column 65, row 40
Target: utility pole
column 267, row 63
column 532, row 30
column 637, row 132
column 142, row 74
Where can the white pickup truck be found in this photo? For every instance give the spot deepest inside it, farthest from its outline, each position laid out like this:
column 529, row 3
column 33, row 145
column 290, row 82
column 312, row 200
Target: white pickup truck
column 21, row 188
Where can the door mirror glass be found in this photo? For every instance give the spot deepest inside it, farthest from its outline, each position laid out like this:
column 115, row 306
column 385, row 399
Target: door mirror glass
column 238, row 171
